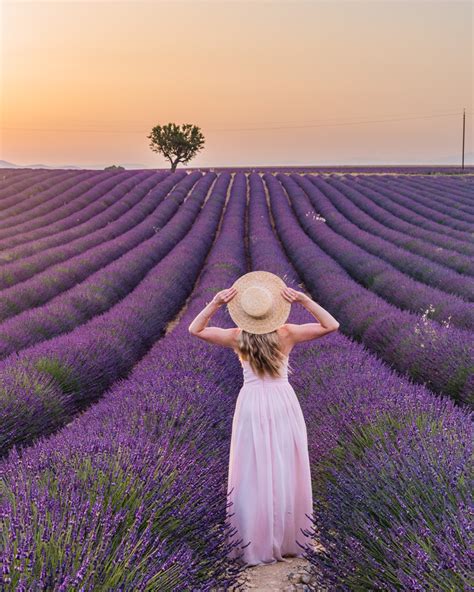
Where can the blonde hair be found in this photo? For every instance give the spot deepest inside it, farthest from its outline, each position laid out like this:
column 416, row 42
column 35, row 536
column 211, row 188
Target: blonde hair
column 262, row 351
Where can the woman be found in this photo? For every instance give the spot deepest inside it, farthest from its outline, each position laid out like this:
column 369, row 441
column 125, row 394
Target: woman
column 269, row 480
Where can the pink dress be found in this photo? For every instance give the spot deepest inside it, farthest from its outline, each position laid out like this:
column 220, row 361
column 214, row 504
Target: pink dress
column 269, row 479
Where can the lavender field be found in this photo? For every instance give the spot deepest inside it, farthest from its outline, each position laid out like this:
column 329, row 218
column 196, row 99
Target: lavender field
column 115, row 423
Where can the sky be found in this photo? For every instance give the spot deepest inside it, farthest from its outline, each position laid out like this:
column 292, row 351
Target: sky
column 269, row 83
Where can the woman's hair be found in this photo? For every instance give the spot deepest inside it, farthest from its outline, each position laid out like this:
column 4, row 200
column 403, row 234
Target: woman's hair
column 262, row 351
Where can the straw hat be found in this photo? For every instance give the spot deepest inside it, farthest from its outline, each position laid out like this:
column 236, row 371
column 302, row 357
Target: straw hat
column 258, row 306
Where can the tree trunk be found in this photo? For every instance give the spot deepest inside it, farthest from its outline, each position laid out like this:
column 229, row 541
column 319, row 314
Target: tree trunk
column 173, row 166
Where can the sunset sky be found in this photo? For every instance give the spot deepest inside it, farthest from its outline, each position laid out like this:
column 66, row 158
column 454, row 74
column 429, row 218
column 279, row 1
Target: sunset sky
column 269, row 83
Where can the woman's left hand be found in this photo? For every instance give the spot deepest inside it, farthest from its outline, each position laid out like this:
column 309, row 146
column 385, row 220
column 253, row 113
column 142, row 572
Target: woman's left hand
column 224, row 296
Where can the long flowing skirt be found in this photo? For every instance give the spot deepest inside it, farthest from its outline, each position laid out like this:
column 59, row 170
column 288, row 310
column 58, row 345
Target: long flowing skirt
column 269, row 479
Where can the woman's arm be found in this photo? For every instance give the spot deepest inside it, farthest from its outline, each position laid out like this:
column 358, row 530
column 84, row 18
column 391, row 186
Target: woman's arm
column 200, row 322
column 199, row 328
column 307, row 331
column 322, row 315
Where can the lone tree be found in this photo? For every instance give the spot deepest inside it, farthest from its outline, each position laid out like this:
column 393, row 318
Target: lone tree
column 177, row 144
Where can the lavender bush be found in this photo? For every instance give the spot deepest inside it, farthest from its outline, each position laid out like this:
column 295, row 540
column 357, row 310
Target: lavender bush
column 438, row 248
column 373, row 271
column 439, row 356
column 22, row 192
column 141, row 472
column 446, row 251
column 77, row 367
column 36, row 255
column 44, row 286
column 77, row 205
column 391, row 462
column 445, row 220
column 357, row 227
column 131, row 494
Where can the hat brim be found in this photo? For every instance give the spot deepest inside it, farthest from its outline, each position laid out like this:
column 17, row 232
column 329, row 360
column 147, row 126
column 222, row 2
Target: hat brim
column 275, row 318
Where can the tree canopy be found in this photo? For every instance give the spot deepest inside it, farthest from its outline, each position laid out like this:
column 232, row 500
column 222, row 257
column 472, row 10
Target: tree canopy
column 176, row 143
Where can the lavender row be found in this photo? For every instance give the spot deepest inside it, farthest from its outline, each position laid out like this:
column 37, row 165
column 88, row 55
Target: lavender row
column 119, row 267
column 373, row 271
column 376, row 220
column 124, row 215
column 92, row 198
column 344, row 217
column 141, row 471
column 385, row 197
column 429, row 202
column 33, row 256
column 400, row 195
column 46, row 285
column 436, row 195
column 390, row 461
column 460, row 189
column 42, row 387
column 9, row 178
column 390, row 200
column 395, row 170
column 427, row 352
column 443, row 250
column 31, row 184
column 68, row 196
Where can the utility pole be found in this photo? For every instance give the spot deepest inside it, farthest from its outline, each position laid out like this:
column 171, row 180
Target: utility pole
column 463, row 135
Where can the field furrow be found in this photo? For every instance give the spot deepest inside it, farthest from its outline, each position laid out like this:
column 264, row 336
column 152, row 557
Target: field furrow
column 423, row 206
column 388, row 199
column 374, row 272
column 153, row 446
column 416, row 239
column 65, row 374
column 69, row 196
column 437, row 195
column 424, row 350
column 116, row 422
column 135, row 205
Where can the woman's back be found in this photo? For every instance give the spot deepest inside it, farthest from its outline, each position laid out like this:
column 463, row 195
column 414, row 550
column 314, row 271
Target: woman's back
column 250, row 376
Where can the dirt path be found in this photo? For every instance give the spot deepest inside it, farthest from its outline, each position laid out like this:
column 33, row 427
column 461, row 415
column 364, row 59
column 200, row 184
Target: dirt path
column 289, row 575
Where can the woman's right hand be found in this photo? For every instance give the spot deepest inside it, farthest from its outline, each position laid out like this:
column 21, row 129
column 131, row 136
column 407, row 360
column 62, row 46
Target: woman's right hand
column 224, row 296
column 293, row 295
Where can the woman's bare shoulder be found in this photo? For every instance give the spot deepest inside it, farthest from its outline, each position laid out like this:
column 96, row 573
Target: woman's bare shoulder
column 284, row 335
column 284, row 330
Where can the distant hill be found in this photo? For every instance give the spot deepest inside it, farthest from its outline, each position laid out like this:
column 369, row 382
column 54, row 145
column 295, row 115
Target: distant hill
column 10, row 165
column 450, row 162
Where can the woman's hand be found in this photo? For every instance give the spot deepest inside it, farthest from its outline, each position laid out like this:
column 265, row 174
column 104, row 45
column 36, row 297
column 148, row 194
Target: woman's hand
column 293, row 295
column 224, row 296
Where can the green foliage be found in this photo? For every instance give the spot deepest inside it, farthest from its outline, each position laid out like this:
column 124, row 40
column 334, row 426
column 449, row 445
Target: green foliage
column 60, row 372
column 176, row 143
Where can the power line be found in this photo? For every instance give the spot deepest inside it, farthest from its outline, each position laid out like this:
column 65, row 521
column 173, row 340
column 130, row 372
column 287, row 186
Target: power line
column 241, row 129
column 305, row 125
